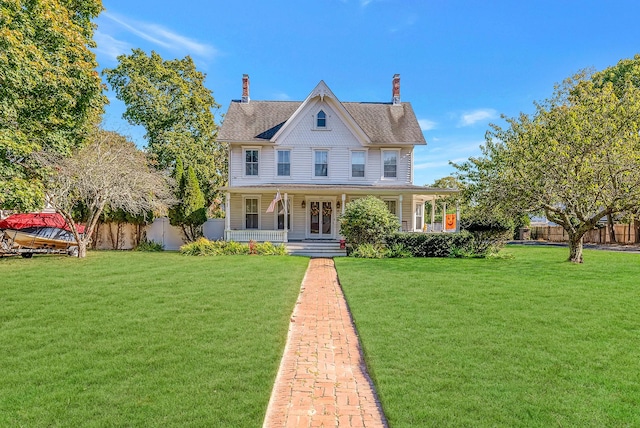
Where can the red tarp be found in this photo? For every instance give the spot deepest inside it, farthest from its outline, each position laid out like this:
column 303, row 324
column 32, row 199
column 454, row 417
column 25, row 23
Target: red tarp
column 23, row 221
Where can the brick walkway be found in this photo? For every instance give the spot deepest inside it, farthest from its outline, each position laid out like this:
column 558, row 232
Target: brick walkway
column 322, row 380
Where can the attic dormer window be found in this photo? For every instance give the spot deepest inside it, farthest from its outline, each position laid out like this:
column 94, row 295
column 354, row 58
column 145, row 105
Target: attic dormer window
column 321, row 119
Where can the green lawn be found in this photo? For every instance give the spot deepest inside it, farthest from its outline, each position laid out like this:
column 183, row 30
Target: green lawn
column 527, row 341
column 142, row 339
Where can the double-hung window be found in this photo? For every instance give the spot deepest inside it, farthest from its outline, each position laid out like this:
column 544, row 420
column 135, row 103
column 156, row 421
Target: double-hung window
column 390, row 163
column 419, row 215
column 284, row 163
column 357, row 164
column 321, row 163
column 251, row 162
column 251, row 213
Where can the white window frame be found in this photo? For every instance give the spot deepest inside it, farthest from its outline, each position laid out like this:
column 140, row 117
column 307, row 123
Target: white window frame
column 275, row 217
column 382, row 153
column 326, row 121
column 318, row 119
column 313, row 164
column 244, row 161
column 244, row 210
column 282, row 149
column 366, row 156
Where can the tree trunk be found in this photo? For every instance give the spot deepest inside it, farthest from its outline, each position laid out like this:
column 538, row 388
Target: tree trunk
column 612, row 230
column 82, row 249
column 96, row 234
column 575, row 248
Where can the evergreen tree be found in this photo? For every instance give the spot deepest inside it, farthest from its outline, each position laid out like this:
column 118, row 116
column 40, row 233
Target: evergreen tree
column 190, row 212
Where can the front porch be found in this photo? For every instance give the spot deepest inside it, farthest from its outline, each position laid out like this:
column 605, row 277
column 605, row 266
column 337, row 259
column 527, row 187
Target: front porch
column 311, row 213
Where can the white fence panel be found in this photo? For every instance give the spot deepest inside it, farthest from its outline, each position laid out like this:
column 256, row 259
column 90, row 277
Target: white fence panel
column 213, row 229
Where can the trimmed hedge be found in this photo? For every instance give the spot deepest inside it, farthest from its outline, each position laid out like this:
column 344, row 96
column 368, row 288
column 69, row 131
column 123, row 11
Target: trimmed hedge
column 434, row 244
column 489, row 234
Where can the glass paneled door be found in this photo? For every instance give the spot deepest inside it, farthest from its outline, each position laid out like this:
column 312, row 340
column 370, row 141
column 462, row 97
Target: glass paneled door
column 320, row 219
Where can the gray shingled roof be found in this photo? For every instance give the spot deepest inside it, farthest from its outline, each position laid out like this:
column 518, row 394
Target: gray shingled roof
column 258, row 121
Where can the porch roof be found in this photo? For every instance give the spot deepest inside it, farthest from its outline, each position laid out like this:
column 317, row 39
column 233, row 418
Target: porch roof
column 333, row 189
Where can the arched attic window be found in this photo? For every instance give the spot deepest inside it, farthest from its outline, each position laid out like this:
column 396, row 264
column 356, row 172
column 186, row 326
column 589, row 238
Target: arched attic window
column 321, row 119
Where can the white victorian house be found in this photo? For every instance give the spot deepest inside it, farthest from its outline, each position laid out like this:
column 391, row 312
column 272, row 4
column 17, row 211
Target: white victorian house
column 319, row 154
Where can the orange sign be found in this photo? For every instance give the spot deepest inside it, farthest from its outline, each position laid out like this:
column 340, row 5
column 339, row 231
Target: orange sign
column 451, row 222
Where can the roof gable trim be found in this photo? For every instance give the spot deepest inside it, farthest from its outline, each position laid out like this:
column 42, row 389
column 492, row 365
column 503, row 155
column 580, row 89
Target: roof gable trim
column 322, row 91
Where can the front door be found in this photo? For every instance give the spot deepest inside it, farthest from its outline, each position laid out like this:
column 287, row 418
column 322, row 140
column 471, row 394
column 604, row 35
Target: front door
column 320, row 219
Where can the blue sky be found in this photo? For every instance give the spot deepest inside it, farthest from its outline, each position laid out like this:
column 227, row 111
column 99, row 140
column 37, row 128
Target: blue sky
column 462, row 63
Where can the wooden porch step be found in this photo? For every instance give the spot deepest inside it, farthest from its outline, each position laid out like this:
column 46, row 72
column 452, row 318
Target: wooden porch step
column 315, row 249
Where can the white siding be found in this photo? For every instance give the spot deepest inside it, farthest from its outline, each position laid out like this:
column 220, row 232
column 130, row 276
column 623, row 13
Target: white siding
column 302, row 139
column 268, row 220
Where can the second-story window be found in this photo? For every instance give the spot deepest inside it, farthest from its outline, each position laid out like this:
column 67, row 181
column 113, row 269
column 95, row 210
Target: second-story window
column 251, row 162
column 357, row 164
column 321, row 163
column 321, row 119
column 284, row 163
column 390, row 163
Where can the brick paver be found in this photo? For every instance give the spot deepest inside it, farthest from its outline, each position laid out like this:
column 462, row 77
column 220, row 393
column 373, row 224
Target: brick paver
column 322, row 380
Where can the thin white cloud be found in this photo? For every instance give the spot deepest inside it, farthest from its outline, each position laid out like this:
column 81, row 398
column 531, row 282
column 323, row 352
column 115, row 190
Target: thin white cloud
column 475, row 116
column 448, row 149
column 426, row 124
column 162, row 36
column 281, row 96
column 437, row 164
column 110, row 46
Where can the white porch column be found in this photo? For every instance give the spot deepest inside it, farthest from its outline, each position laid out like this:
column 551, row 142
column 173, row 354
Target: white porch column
column 400, row 210
column 344, row 200
column 227, row 213
column 433, row 214
column 457, row 217
column 286, row 222
column 444, row 216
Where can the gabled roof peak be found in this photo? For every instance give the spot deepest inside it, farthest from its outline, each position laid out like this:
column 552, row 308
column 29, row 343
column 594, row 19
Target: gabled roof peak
column 321, row 90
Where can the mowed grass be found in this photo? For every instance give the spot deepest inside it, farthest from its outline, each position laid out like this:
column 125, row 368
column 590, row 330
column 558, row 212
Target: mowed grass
column 142, row 339
column 527, row 341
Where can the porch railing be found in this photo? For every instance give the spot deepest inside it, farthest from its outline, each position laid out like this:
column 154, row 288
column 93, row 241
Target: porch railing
column 256, row 235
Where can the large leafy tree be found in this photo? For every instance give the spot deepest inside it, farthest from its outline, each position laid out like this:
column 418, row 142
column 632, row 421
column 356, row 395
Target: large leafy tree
column 169, row 99
column 577, row 159
column 50, row 95
column 109, row 172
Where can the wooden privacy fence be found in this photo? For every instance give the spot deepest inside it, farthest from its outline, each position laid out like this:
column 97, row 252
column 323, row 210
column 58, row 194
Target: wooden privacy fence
column 125, row 236
column 625, row 234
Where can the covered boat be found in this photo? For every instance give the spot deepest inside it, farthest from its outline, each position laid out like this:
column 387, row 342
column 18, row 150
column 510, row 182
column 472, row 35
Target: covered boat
column 37, row 232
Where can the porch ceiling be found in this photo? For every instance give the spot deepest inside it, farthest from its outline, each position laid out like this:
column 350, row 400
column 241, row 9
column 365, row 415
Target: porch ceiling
column 334, row 189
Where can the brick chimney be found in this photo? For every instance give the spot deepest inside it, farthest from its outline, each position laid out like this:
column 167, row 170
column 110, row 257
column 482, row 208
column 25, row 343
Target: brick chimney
column 245, row 88
column 396, row 90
